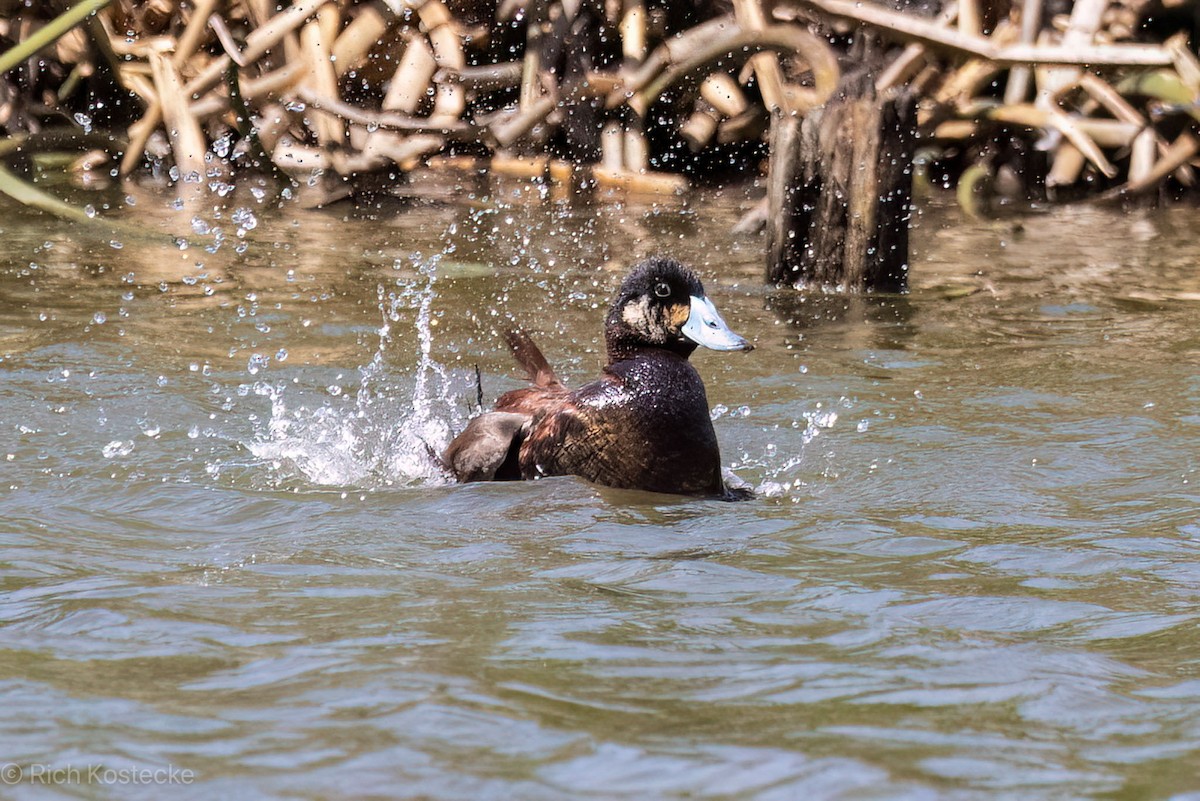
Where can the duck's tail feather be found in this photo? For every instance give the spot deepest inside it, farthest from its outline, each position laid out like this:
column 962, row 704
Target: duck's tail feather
column 530, row 357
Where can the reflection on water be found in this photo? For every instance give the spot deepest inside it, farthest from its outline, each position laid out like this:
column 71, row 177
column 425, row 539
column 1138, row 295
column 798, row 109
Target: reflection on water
column 973, row 571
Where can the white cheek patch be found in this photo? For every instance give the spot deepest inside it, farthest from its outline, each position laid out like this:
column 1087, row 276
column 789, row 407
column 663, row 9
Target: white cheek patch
column 639, row 316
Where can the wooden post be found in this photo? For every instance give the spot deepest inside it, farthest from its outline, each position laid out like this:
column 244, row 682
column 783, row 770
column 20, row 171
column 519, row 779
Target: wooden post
column 840, row 191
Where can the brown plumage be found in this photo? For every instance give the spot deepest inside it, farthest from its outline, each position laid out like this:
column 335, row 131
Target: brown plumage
column 527, row 354
column 644, row 424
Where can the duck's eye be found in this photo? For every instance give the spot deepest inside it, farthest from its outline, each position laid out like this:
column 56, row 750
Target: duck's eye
column 661, row 290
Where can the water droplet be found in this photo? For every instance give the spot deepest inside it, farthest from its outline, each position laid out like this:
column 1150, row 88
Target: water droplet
column 258, row 361
column 223, row 145
column 244, row 218
column 824, row 419
column 117, row 448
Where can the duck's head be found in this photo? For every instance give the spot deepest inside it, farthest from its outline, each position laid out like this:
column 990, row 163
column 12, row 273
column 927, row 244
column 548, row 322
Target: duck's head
column 662, row 304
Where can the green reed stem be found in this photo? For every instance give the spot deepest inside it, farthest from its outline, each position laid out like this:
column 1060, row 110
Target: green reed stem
column 50, row 33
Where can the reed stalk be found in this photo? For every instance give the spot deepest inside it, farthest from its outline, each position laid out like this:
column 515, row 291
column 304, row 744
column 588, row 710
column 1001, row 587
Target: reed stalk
column 49, row 33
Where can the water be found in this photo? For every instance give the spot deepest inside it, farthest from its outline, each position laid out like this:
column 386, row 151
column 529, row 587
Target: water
column 973, row 571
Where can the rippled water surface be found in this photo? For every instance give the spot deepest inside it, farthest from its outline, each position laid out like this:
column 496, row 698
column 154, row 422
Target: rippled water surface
column 973, row 570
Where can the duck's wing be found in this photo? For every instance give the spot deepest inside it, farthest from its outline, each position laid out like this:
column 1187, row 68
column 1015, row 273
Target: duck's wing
column 530, row 357
column 577, row 433
column 488, row 448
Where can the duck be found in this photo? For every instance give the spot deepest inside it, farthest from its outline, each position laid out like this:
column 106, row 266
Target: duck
column 644, row 424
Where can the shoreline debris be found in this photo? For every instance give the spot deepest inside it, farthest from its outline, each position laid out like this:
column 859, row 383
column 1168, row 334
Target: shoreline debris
column 1025, row 99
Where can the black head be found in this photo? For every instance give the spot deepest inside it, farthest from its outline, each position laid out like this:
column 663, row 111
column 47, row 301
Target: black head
column 662, row 304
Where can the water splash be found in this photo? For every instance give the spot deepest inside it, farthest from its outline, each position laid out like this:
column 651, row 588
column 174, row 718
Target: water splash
column 781, row 468
column 382, row 434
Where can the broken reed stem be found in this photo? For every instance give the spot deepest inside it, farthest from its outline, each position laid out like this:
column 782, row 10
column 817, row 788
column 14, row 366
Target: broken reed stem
column 700, row 128
column 699, row 49
column 1106, row 133
column 1184, row 60
column 750, row 15
column 1141, row 156
column 364, row 32
column 723, row 94
column 193, row 34
column 435, row 98
column 509, row 130
column 1120, row 108
column 1019, row 76
column 908, row 27
column 451, row 99
column 315, row 39
column 531, row 90
column 380, row 119
column 1182, row 150
column 635, row 153
column 270, row 85
column 909, row 62
column 483, row 78
column 970, row 22
column 226, row 39
column 258, row 43
column 1082, row 142
column 187, row 140
column 412, row 77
